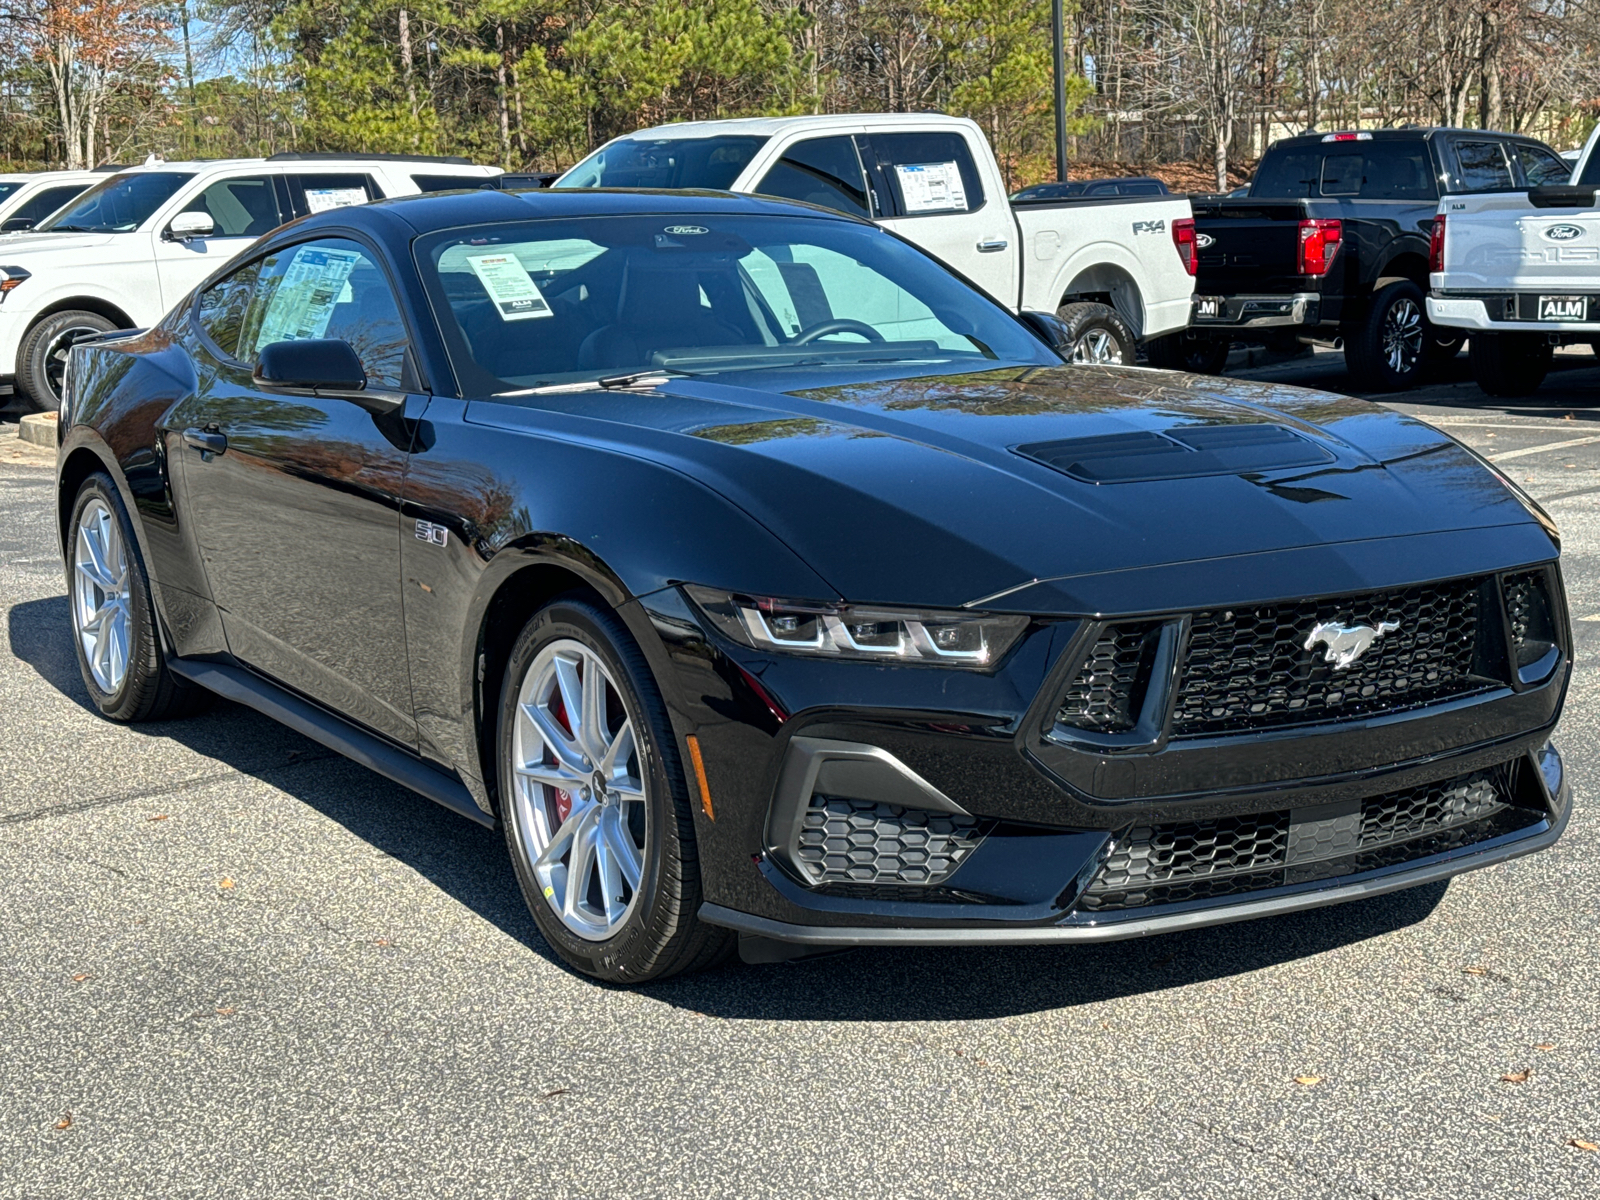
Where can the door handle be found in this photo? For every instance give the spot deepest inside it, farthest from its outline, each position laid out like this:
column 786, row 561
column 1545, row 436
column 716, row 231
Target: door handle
column 990, row 245
column 207, row 441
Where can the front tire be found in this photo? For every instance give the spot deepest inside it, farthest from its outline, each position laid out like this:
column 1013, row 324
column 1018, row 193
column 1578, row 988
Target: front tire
column 114, row 626
column 42, row 357
column 1509, row 364
column 1197, row 353
column 1386, row 350
column 595, row 802
column 1097, row 336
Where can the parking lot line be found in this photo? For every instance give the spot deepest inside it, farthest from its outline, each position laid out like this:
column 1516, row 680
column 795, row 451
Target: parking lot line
column 1510, row 454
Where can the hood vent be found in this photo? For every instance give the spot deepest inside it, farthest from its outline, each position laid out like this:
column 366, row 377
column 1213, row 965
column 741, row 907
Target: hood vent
column 1181, row 453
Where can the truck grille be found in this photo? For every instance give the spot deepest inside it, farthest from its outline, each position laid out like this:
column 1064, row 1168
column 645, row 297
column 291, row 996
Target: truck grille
column 1249, row 668
column 1175, row 863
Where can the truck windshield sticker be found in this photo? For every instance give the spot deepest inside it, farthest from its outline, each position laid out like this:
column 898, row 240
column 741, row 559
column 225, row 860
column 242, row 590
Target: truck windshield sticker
column 322, row 199
column 516, row 297
column 931, row 187
column 303, row 303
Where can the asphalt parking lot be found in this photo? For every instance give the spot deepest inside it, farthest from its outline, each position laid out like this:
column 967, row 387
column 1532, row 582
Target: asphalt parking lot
column 236, row 965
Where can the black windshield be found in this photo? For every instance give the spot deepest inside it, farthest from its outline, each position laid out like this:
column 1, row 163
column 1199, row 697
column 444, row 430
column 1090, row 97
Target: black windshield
column 120, row 204
column 665, row 163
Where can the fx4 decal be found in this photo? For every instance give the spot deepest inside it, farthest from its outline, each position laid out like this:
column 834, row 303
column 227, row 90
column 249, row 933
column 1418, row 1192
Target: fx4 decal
column 1149, row 227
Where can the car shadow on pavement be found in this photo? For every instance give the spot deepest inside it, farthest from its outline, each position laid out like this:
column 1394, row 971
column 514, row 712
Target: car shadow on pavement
column 469, row 863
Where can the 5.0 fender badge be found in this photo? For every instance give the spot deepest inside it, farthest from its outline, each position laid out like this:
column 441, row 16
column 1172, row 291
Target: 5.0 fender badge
column 1346, row 643
column 434, row 535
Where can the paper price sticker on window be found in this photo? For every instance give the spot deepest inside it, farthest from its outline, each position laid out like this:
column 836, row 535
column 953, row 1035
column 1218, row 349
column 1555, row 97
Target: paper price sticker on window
column 516, row 297
column 315, row 280
column 322, row 199
column 931, row 187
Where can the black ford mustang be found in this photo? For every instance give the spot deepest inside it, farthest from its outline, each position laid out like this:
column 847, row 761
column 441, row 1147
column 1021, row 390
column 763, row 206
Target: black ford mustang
column 761, row 577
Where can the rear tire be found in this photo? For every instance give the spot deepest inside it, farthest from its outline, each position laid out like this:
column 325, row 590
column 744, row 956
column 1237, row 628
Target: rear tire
column 113, row 621
column 618, row 897
column 1385, row 352
column 1199, row 354
column 1510, row 364
column 1097, row 336
column 42, row 357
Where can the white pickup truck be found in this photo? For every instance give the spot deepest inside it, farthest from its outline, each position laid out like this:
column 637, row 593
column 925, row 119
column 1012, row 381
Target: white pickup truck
column 126, row 250
column 1116, row 269
column 1517, row 265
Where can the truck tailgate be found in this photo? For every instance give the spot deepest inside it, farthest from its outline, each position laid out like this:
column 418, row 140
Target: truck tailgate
column 1247, row 246
column 1503, row 242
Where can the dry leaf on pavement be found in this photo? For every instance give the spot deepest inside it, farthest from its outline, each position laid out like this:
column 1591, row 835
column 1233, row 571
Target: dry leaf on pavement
column 157, row 817
column 226, row 1012
column 1521, row 1076
column 1545, row 1046
column 1308, row 1080
column 79, row 978
column 1583, row 1145
column 226, row 882
column 65, row 1122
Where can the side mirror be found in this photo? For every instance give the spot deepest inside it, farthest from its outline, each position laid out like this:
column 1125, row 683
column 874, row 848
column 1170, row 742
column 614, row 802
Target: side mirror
column 187, row 226
column 16, row 224
column 1049, row 329
column 314, row 364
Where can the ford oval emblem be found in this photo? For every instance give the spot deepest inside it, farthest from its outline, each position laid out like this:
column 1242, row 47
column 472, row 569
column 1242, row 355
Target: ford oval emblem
column 1564, row 233
column 685, row 230
column 1204, row 240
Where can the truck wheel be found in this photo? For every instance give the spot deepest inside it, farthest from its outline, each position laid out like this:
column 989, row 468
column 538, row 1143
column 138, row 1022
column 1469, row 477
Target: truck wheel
column 42, row 357
column 1197, row 353
column 1385, row 352
column 1509, row 364
column 1097, row 336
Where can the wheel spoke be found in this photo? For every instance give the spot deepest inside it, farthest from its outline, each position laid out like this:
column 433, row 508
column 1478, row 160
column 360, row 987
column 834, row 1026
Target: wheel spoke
column 593, row 734
column 618, row 753
column 581, row 862
column 550, row 774
column 623, row 852
column 560, row 745
column 561, row 840
column 609, row 867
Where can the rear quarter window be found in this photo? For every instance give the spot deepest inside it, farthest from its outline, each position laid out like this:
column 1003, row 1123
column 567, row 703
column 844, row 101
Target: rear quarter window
column 927, row 174
column 1482, row 166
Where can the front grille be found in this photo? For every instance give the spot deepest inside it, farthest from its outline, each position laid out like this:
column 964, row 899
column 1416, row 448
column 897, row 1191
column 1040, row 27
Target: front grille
column 1249, row 668
column 882, row 845
column 1108, row 691
column 1174, row 863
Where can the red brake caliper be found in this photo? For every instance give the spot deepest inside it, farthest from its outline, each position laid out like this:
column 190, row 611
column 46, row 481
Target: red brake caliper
column 558, row 710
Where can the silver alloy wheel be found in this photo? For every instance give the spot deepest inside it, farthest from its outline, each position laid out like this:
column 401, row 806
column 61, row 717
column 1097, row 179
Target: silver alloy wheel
column 101, row 596
column 59, row 350
column 1402, row 335
column 580, row 794
column 1097, row 346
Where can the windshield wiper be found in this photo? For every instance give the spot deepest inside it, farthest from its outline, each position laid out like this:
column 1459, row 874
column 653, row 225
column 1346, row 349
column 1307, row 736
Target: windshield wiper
column 637, row 378
column 609, row 383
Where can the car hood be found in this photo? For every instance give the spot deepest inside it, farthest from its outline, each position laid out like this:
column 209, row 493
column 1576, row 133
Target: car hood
column 1030, row 488
column 33, row 244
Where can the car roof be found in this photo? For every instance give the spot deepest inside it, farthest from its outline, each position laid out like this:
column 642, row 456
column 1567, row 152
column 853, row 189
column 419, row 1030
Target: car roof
column 288, row 165
column 772, row 126
column 1417, row 133
column 434, row 211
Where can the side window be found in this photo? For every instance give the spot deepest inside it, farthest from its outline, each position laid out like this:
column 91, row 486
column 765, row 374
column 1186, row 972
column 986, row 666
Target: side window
column 314, row 193
column 329, row 288
column 823, row 171
column 220, row 309
column 246, row 207
column 1541, row 167
column 1398, row 170
column 926, row 173
column 1482, row 167
column 1342, row 174
column 40, row 205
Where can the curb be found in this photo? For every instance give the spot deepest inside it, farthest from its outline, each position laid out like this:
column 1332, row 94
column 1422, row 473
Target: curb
column 39, row 428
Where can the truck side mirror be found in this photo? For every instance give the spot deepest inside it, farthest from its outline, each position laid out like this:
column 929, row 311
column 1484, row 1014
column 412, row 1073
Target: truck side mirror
column 16, row 224
column 187, row 226
column 1049, row 329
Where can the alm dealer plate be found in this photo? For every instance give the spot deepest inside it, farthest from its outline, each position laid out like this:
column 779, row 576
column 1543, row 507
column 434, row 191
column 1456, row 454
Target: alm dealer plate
column 1207, row 306
column 1563, row 308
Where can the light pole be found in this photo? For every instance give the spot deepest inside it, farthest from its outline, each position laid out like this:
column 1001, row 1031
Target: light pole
column 1058, row 29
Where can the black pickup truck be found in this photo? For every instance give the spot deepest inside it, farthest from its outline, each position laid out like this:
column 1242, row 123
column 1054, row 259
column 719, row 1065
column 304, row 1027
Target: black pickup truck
column 1331, row 246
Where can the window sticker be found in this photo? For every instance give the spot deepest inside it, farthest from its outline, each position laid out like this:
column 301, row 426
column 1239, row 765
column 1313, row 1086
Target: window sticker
column 303, row 303
column 516, row 297
column 931, row 187
column 322, row 199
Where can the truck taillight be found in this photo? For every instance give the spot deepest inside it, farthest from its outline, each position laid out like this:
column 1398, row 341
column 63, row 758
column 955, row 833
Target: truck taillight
column 1436, row 245
column 1319, row 242
column 1183, row 239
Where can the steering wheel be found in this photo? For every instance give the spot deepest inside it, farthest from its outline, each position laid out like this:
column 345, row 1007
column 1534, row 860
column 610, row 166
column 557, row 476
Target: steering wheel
column 837, row 325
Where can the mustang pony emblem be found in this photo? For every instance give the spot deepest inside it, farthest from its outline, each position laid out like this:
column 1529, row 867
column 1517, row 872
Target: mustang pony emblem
column 1346, row 643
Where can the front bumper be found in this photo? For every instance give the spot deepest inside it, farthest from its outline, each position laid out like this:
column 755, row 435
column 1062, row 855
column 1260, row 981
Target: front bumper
column 1258, row 312
column 1472, row 312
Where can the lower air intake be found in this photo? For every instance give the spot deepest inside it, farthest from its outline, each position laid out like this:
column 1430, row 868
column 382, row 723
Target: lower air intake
column 1171, row 864
column 859, row 842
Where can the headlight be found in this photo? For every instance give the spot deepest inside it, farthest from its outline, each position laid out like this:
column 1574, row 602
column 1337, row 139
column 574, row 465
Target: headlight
column 12, row 277
column 900, row 635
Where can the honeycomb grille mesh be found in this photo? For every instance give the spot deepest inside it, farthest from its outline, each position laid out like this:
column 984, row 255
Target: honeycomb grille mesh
column 1108, row 691
column 1170, row 864
column 859, row 842
column 1249, row 668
